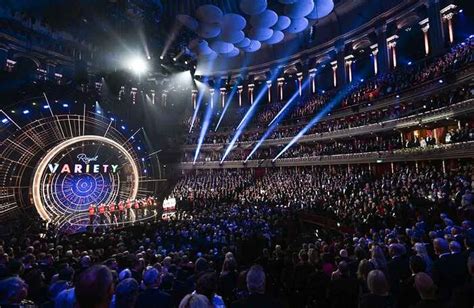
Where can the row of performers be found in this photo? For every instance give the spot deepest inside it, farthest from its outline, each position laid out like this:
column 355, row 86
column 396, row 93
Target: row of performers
column 128, row 210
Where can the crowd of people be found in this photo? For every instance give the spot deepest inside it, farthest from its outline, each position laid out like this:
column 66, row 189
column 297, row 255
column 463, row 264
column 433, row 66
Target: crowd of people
column 387, row 142
column 237, row 242
column 361, row 94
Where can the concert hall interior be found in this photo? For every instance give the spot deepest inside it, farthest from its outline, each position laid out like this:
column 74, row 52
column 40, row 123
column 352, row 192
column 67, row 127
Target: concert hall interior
column 237, row 153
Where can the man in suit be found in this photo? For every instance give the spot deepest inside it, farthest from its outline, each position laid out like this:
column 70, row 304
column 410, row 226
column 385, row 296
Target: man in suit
column 398, row 267
column 256, row 287
column 152, row 296
column 449, row 271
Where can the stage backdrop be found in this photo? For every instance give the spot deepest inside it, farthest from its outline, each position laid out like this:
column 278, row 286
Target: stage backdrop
column 55, row 164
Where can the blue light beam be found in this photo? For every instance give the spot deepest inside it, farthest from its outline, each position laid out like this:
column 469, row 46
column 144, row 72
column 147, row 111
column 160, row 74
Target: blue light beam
column 199, row 101
column 249, row 115
column 329, row 106
column 227, row 104
column 278, row 118
column 205, row 125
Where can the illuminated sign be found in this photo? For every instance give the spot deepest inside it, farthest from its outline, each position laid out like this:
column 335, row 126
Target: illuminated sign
column 85, row 167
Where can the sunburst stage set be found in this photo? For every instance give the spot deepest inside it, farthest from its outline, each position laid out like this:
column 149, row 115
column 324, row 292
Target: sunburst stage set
column 77, row 170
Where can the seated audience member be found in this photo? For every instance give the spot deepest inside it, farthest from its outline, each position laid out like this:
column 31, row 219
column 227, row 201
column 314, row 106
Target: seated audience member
column 126, row 293
column 207, row 285
column 95, row 287
column 427, row 291
column 343, row 289
column 256, row 287
column 152, row 296
column 13, row 291
column 449, row 271
column 379, row 295
column 408, row 293
column 195, row 300
column 464, row 296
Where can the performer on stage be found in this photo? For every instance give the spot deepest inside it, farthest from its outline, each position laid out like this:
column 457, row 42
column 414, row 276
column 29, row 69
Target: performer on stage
column 102, row 213
column 136, row 206
column 121, row 210
column 113, row 217
column 128, row 207
column 91, row 213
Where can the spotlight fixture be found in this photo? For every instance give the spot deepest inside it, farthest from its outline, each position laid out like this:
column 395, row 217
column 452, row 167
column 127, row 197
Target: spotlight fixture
column 137, row 65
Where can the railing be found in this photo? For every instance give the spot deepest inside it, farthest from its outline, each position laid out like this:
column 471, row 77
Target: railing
column 437, row 152
column 411, row 94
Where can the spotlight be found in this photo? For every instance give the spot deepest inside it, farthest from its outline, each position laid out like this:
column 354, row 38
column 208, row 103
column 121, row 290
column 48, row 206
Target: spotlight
column 4, row 120
column 65, row 105
column 186, row 62
column 174, row 59
column 26, row 111
column 161, row 57
column 137, row 65
column 461, row 10
column 441, row 81
column 409, row 62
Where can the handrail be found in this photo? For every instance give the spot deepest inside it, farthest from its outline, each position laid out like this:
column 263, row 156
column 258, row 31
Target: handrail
column 384, row 102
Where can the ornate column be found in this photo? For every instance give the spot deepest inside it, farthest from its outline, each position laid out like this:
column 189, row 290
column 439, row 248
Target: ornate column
column 211, row 91
column 193, row 97
column 436, row 34
column 240, row 89
column 269, row 90
column 334, row 73
column 382, row 60
column 223, row 92
column 300, row 81
column 312, row 76
column 251, row 87
column 373, row 54
column 341, row 63
column 448, row 13
column 349, row 60
column 392, row 46
column 281, row 82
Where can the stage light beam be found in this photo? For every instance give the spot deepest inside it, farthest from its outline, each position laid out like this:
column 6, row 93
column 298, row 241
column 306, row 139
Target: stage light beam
column 137, row 65
column 240, row 128
column 278, row 118
column 329, row 106
column 227, row 104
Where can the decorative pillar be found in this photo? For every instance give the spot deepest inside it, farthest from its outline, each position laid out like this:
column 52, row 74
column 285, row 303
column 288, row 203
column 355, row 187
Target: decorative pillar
column 349, row 60
column 449, row 18
column 447, row 13
column 193, row 97
column 251, row 87
column 312, row 76
column 373, row 54
column 436, row 34
column 341, row 63
column 444, row 165
column 300, row 80
column 280, row 84
column 334, row 73
column 382, row 49
column 164, row 98
column 152, row 96
column 240, row 89
column 425, row 26
column 211, row 91
column 269, row 90
column 223, row 92
column 392, row 46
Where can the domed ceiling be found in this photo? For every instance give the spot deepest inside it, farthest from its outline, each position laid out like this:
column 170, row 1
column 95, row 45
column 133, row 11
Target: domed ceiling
column 230, row 28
